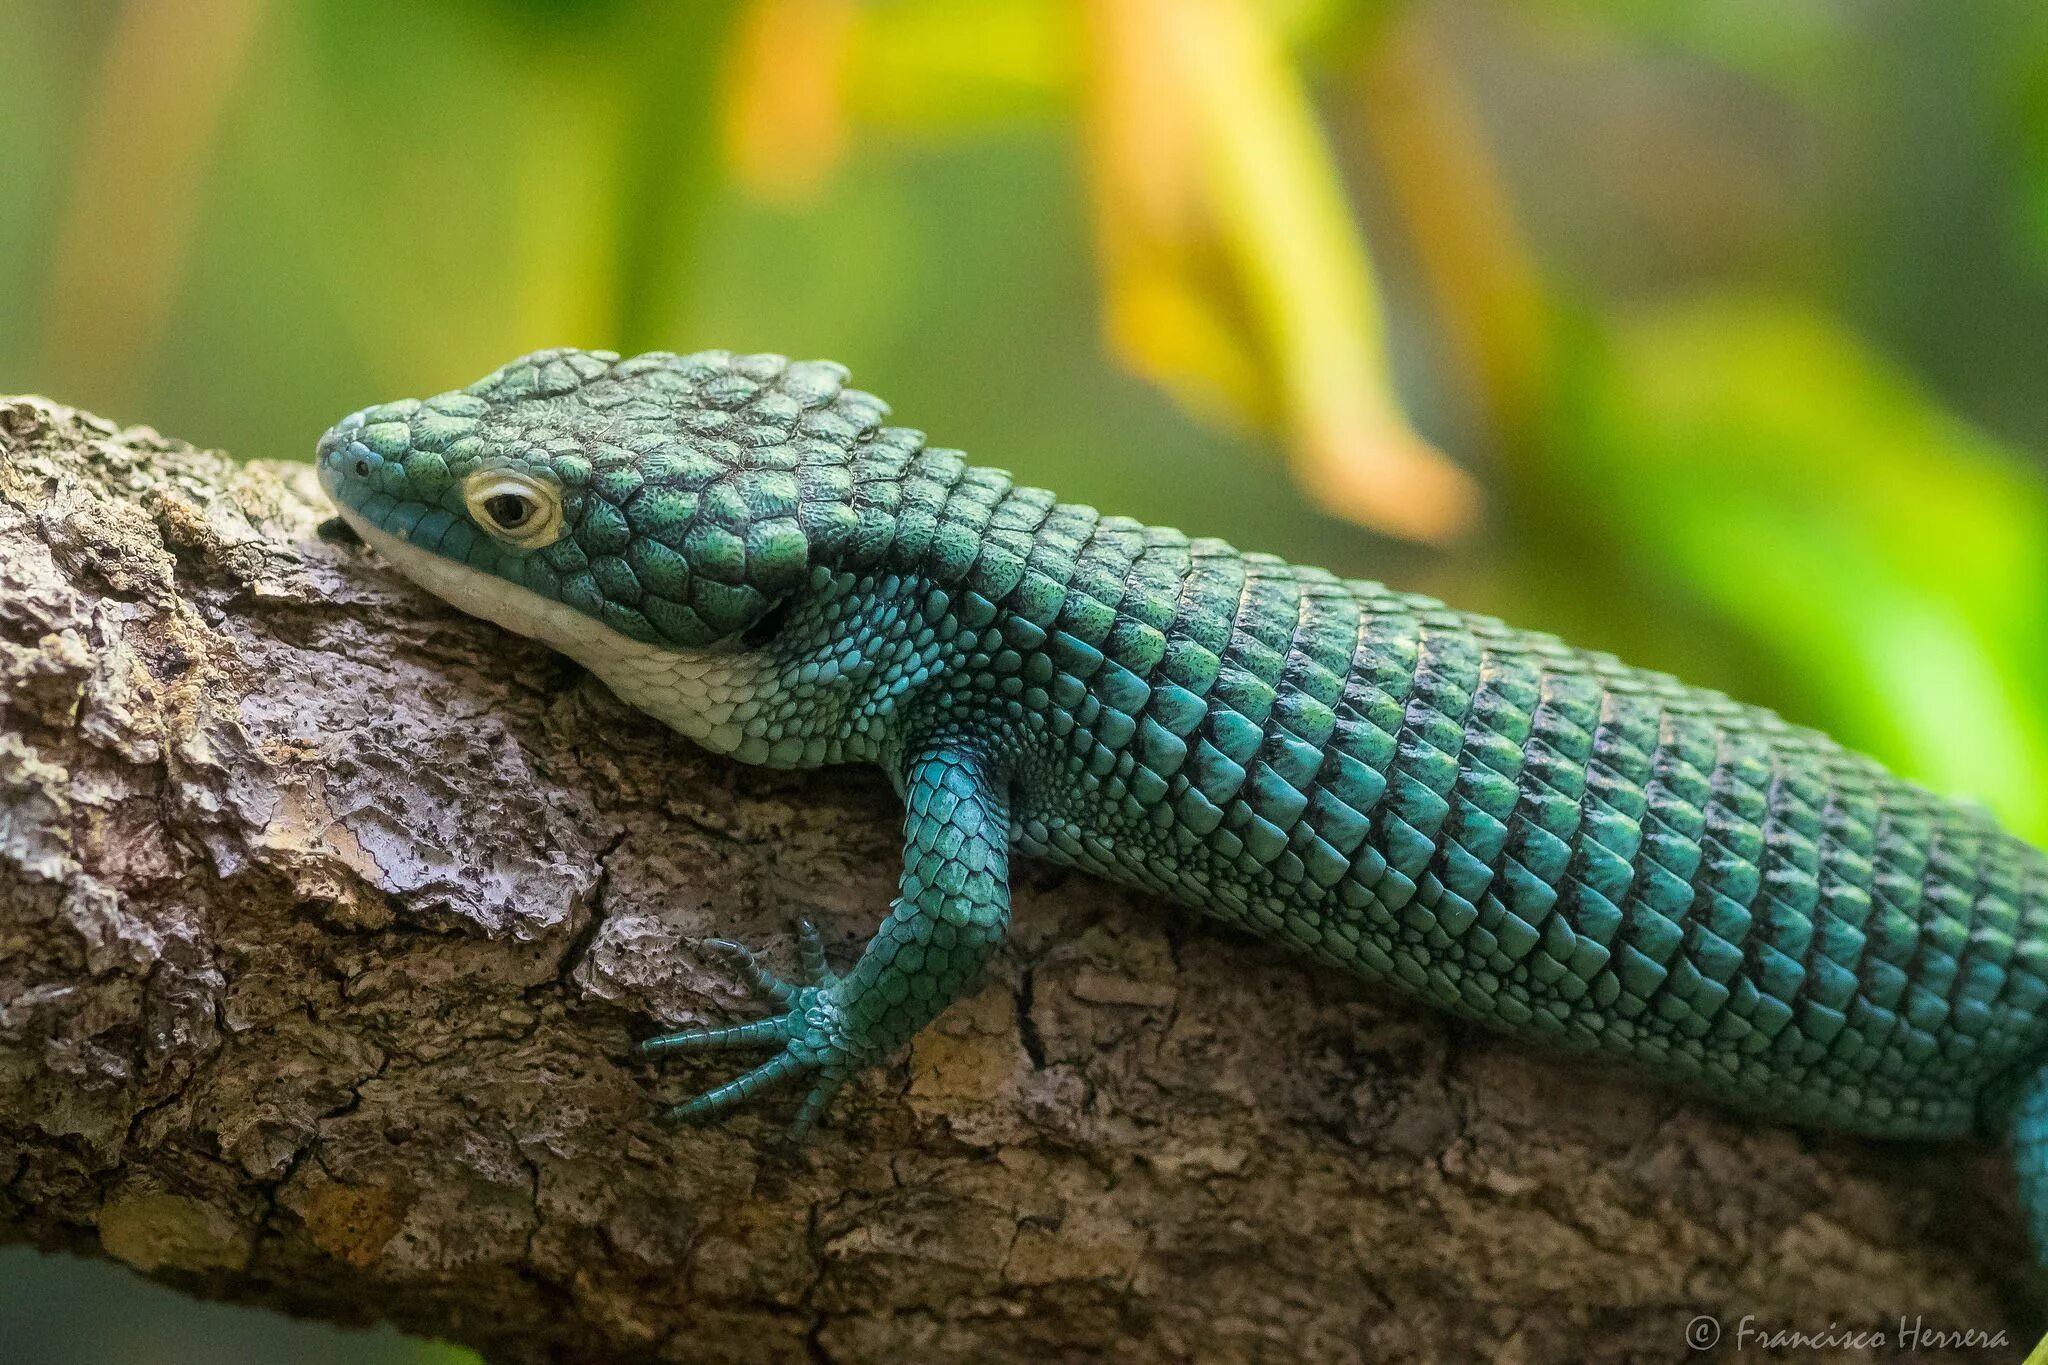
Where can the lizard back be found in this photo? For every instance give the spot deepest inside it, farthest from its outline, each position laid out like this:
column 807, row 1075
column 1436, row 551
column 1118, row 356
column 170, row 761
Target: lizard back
column 1540, row 838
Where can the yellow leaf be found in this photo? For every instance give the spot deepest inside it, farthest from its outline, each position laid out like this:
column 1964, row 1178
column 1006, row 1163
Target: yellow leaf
column 137, row 184
column 1881, row 547
column 1457, row 217
column 1233, row 273
column 950, row 67
column 784, row 95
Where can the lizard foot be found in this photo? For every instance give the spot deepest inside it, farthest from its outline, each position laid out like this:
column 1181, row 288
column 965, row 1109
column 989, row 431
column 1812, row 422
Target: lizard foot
column 811, row 1032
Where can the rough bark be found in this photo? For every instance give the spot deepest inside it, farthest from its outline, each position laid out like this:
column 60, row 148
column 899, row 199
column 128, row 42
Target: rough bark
column 328, row 916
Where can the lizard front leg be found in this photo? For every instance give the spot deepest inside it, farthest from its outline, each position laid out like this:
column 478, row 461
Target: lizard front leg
column 951, row 910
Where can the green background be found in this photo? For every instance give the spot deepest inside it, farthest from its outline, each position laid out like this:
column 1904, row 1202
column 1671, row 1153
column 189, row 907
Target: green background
column 1733, row 308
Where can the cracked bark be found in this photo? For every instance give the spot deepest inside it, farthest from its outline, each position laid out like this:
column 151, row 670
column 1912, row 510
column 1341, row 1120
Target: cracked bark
column 327, row 918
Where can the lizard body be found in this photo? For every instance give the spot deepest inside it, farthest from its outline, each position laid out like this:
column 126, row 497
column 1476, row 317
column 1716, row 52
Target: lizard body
column 1536, row 837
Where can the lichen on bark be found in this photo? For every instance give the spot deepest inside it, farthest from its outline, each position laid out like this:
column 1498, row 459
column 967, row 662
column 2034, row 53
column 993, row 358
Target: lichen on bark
column 328, row 918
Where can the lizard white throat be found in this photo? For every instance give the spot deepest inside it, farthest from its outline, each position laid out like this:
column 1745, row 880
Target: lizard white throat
column 706, row 695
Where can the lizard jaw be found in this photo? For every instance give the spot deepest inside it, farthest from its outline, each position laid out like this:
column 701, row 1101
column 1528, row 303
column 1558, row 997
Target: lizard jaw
column 706, row 695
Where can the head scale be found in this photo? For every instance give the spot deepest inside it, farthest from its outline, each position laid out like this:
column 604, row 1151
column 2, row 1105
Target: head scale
column 674, row 500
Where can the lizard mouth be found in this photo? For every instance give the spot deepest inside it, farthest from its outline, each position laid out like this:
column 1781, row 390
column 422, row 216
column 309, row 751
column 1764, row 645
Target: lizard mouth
column 476, row 592
column 701, row 693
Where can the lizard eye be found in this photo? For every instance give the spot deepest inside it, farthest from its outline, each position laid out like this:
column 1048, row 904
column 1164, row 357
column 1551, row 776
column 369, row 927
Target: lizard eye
column 515, row 508
column 508, row 510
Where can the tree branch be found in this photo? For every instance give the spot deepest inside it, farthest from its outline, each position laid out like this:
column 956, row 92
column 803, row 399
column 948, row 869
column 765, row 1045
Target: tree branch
column 328, row 917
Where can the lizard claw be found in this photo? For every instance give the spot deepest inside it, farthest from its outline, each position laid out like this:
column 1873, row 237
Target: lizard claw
column 811, row 956
column 809, row 1032
column 759, row 979
column 831, row 1074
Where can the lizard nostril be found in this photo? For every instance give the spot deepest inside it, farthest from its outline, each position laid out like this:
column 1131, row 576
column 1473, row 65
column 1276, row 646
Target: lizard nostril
column 362, row 469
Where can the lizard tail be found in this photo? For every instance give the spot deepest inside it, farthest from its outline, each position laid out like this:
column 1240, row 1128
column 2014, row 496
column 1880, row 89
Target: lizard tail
column 2029, row 1128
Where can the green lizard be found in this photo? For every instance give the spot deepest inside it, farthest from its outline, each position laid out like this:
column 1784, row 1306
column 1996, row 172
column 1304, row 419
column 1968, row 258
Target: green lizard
column 1539, row 838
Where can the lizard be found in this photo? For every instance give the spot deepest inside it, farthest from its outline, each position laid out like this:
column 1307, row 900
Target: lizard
column 1539, row 838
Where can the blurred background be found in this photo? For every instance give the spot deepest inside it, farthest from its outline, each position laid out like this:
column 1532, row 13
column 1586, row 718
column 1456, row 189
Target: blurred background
column 1706, row 331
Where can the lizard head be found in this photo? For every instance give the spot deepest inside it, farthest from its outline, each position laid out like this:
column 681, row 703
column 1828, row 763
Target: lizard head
column 658, row 518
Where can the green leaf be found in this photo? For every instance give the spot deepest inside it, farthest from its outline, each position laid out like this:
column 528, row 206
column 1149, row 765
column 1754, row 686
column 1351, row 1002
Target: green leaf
column 1811, row 492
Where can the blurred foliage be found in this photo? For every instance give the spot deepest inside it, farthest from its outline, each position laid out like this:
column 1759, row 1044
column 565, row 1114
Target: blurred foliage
column 1823, row 501
column 1707, row 331
column 61, row 1311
